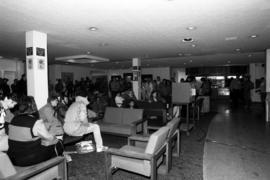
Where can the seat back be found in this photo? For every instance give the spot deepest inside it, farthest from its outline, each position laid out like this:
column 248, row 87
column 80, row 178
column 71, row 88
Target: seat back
column 113, row 115
column 173, row 125
column 157, row 140
column 131, row 115
column 6, row 167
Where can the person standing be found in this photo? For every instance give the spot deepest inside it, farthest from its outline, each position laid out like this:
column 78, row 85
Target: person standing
column 247, row 87
column 235, row 88
column 262, row 91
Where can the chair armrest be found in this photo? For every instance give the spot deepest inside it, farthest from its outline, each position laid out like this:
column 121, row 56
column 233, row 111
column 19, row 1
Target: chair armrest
column 138, row 138
column 134, row 138
column 41, row 167
column 129, row 154
column 136, row 123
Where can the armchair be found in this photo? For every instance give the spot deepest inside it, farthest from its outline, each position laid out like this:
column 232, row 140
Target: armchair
column 144, row 161
column 173, row 140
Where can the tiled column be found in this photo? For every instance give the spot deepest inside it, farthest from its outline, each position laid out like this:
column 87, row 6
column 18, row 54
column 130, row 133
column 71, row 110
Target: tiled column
column 37, row 66
column 136, row 81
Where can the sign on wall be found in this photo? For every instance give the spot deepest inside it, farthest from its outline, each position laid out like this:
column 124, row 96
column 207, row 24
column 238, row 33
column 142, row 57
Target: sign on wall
column 30, row 63
column 29, row 51
column 40, row 51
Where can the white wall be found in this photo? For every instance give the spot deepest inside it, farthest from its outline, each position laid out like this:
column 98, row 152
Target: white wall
column 78, row 72
column 9, row 65
column 179, row 73
column 256, row 71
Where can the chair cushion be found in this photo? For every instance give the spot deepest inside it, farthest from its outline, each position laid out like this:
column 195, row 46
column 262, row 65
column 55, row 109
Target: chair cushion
column 131, row 115
column 115, row 128
column 113, row 115
column 156, row 140
column 173, row 125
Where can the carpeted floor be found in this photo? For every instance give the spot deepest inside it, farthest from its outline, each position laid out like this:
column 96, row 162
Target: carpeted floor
column 187, row 167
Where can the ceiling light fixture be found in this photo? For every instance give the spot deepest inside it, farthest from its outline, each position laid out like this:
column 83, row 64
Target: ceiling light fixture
column 253, row 36
column 188, row 39
column 231, row 38
column 191, row 28
column 194, row 45
column 82, row 59
column 93, row 29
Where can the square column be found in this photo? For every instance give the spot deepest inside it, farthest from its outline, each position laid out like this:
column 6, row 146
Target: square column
column 136, row 81
column 37, row 66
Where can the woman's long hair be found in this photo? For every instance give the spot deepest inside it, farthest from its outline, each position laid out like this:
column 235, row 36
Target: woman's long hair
column 27, row 105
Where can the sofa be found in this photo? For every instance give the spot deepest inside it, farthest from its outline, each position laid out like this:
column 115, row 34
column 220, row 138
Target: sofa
column 122, row 121
column 153, row 112
column 54, row 168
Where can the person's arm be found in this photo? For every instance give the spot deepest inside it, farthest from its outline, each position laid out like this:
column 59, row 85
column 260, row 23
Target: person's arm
column 40, row 130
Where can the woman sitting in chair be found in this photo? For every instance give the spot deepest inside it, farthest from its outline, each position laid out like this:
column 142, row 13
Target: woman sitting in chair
column 29, row 141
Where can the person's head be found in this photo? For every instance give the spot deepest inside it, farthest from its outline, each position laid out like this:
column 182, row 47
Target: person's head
column 53, row 100
column 154, row 94
column 27, row 105
column 82, row 96
column 131, row 104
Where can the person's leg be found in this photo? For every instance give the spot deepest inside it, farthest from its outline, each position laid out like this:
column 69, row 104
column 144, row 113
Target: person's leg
column 97, row 135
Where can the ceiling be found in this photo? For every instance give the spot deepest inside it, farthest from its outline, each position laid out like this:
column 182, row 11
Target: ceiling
column 152, row 30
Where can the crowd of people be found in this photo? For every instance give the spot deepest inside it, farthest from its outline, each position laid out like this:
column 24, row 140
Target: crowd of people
column 240, row 91
column 36, row 134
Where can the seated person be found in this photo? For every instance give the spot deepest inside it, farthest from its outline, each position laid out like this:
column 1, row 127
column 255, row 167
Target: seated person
column 155, row 97
column 47, row 113
column 76, row 121
column 29, row 141
column 61, row 109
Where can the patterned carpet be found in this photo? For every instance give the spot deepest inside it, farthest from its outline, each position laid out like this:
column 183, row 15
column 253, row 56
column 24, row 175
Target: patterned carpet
column 187, row 167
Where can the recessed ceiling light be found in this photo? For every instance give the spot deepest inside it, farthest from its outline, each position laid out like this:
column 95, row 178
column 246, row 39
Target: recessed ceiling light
column 231, row 38
column 191, row 28
column 103, row 44
column 93, row 28
column 194, row 45
column 180, row 54
column 253, row 36
column 188, row 39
